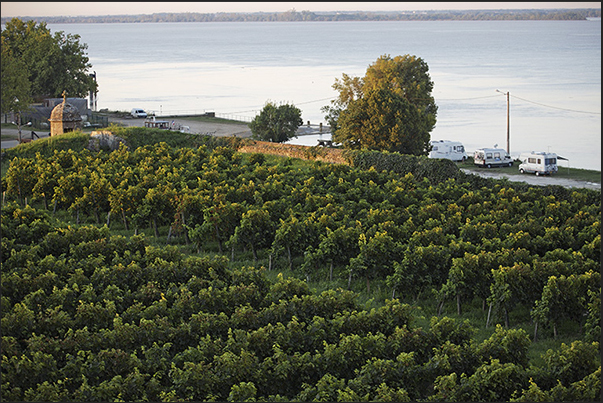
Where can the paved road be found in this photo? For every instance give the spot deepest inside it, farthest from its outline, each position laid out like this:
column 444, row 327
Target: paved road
column 536, row 180
column 14, row 134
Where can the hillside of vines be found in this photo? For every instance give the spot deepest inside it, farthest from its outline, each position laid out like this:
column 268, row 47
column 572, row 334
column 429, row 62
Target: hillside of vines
column 161, row 272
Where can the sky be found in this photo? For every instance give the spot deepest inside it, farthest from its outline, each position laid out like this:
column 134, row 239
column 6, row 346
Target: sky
column 51, row 9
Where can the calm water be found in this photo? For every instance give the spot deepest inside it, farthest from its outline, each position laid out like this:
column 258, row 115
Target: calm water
column 552, row 70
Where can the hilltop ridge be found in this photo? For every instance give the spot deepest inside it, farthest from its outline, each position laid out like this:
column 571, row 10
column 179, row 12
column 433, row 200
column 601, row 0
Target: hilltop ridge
column 308, row 16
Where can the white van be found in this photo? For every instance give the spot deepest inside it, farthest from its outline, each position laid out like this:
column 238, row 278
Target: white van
column 539, row 162
column 451, row 150
column 138, row 113
column 492, row 157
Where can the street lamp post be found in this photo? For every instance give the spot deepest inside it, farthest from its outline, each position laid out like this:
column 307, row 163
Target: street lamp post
column 508, row 123
column 18, row 119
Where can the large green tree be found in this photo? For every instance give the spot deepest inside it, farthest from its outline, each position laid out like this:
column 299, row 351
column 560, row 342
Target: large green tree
column 276, row 123
column 350, row 89
column 15, row 85
column 51, row 63
column 391, row 108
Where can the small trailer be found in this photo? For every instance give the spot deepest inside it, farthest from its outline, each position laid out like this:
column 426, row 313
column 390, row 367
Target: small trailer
column 492, row 157
column 157, row 124
column 451, row 150
column 538, row 162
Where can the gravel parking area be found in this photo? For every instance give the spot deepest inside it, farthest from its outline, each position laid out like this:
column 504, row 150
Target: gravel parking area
column 194, row 126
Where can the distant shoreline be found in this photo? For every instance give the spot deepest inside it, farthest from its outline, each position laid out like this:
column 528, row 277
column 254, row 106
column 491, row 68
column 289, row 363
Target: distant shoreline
column 309, row 16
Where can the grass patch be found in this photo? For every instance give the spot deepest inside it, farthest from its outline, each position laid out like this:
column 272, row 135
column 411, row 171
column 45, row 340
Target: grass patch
column 76, row 141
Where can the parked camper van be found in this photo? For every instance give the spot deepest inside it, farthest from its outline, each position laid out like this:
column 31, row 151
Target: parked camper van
column 492, row 157
column 540, row 163
column 451, row 150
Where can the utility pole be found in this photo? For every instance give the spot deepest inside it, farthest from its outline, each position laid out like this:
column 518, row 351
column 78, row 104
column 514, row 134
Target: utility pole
column 508, row 123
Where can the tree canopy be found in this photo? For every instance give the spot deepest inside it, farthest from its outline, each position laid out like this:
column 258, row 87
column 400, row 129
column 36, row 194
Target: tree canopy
column 391, row 108
column 15, row 86
column 276, row 123
column 38, row 64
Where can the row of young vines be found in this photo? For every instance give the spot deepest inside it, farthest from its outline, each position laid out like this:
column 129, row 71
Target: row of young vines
column 88, row 315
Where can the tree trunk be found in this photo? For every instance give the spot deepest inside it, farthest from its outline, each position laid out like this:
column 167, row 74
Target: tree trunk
column 506, row 318
column 555, row 331
column 289, row 256
column 123, row 216
column 185, row 231
column 43, row 195
column 255, row 256
column 218, row 238
column 169, row 235
column 489, row 311
column 108, row 218
column 440, row 307
column 95, row 208
column 155, row 227
column 350, row 280
column 535, row 331
column 331, row 272
column 458, row 304
column 270, row 262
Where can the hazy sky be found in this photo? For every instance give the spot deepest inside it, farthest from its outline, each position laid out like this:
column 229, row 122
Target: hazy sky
column 49, row 9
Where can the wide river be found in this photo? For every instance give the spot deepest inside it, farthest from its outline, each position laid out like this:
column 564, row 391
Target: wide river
column 551, row 70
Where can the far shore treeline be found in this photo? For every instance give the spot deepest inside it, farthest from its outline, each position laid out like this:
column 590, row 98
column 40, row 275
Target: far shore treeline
column 293, row 15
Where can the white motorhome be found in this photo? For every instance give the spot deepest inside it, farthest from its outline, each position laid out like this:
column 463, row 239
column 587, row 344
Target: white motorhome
column 539, row 162
column 452, row 150
column 492, row 157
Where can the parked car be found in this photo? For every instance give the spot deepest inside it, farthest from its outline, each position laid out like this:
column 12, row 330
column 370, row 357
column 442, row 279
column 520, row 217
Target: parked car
column 138, row 113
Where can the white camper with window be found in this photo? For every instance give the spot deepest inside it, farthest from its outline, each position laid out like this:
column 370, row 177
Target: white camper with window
column 492, row 157
column 540, row 163
column 451, row 150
